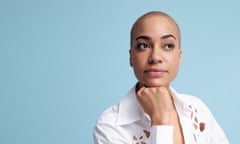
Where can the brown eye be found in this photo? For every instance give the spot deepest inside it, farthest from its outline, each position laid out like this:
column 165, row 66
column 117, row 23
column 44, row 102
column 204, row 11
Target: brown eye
column 169, row 47
column 142, row 46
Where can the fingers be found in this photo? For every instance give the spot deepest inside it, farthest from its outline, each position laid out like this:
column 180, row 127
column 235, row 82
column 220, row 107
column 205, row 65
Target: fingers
column 139, row 92
column 154, row 90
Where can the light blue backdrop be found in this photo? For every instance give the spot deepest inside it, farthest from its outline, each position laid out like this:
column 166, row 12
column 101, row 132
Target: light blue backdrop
column 62, row 62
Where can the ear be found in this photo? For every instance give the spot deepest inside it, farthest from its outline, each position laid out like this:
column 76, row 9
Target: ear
column 130, row 57
column 180, row 56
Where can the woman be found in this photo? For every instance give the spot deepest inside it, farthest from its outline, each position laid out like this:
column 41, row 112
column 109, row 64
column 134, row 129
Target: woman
column 152, row 112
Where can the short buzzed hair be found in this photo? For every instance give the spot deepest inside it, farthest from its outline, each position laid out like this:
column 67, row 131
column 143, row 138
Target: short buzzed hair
column 153, row 13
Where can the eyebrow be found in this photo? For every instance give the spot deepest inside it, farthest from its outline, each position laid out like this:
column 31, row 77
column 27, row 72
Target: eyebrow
column 168, row 36
column 143, row 37
column 162, row 37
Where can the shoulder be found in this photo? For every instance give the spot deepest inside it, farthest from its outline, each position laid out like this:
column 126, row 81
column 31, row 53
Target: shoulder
column 105, row 130
column 207, row 125
column 185, row 98
column 191, row 99
column 109, row 116
column 196, row 104
column 194, row 101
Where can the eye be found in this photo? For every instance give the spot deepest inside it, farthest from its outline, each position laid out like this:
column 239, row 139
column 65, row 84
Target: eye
column 142, row 46
column 169, row 47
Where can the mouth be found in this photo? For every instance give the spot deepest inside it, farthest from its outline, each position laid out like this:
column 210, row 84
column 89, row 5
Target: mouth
column 155, row 72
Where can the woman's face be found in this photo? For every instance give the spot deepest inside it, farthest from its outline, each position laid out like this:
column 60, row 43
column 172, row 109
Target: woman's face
column 155, row 53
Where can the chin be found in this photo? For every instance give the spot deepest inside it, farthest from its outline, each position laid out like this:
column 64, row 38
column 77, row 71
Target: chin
column 156, row 84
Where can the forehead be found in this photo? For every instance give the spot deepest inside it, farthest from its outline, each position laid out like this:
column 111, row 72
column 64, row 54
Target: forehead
column 155, row 24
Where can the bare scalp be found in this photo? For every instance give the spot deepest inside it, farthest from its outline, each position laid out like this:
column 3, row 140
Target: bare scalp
column 153, row 14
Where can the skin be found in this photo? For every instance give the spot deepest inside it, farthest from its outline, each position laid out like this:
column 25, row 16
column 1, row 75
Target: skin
column 155, row 57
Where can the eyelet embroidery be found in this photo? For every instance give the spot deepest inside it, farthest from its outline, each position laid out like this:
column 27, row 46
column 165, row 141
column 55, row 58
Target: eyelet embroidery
column 140, row 139
column 198, row 126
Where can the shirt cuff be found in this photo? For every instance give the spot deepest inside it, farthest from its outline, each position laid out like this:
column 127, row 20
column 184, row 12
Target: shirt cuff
column 161, row 135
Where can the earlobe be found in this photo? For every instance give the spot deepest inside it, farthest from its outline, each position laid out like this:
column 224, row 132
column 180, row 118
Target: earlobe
column 131, row 64
column 180, row 56
column 130, row 58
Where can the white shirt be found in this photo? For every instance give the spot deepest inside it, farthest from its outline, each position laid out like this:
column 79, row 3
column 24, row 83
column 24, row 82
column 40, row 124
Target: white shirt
column 126, row 123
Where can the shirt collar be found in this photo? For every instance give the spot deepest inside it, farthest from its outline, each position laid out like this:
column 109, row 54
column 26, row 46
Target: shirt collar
column 131, row 111
column 182, row 103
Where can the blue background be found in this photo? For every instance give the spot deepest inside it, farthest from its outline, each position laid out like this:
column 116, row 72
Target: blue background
column 62, row 62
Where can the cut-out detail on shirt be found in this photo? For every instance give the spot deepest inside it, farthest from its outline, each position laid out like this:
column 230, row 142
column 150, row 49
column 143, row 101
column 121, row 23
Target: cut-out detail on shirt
column 202, row 126
column 198, row 126
column 147, row 133
column 134, row 137
column 142, row 138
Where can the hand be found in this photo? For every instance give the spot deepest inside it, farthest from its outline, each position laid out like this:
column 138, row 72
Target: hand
column 158, row 103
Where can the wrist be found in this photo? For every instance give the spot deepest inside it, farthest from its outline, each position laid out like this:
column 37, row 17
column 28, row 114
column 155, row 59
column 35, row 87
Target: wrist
column 160, row 120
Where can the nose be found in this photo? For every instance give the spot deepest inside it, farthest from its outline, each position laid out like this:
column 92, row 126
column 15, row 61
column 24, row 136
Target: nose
column 155, row 56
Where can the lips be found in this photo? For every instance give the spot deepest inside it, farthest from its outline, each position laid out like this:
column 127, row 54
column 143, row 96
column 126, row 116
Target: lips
column 155, row 72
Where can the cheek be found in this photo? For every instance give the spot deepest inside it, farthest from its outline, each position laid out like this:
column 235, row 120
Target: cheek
column 175, row 62
column 138, row 60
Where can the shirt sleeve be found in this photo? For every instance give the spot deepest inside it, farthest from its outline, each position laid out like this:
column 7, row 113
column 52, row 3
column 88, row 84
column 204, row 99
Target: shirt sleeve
column 161, row 135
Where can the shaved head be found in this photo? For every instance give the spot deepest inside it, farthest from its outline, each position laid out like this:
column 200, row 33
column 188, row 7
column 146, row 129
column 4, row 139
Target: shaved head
column 153, row 14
